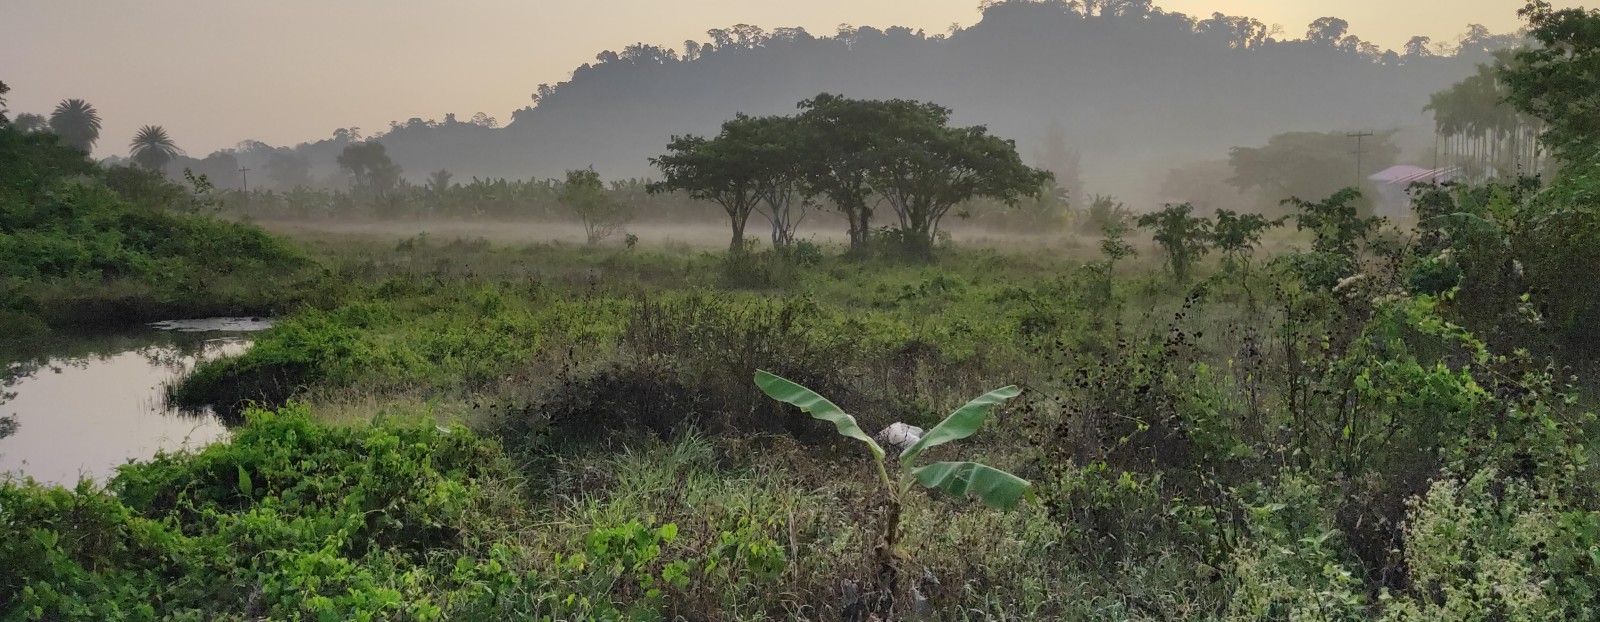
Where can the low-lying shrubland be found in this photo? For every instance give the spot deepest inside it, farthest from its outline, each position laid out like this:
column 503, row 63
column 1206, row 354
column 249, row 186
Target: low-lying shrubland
column 77, row 248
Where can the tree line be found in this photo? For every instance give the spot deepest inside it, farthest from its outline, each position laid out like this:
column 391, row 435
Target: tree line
column 1124, row 82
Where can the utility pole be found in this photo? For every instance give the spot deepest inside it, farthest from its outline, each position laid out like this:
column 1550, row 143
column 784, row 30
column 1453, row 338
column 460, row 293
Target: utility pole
column 1436, row 155
column 1359, row 151
column 246, row 172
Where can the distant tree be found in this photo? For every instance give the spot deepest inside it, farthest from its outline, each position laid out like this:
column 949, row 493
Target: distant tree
column 371, row 171
column 585, row 195
column 1483, row 133
column 152, row 148
column 439, row 181
column 1103, row 211
column 543, row 93
column 726, row 170
column 792, row 35
column 77, row 123
column 1238, row 32
column 348, row 135
column 1064, row 162
column 1328, row 31
column 1419, row 47
column 923, row 168
column 1205, row 185
column 781, row 179
column 29, row 123
column 1478, row 39
column 484, row 120
column 1127, row 8
column 221, row 167
column 3, row 90
column 837, row 155
column 1308, row 164
column 289, row 170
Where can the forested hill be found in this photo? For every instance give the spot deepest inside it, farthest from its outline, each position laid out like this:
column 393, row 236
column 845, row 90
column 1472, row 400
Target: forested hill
column 1132, row 89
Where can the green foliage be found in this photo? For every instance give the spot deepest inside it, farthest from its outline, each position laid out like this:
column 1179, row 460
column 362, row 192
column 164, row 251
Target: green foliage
column 1288, row 565
column 1183, row 237
column 818, row 407
column 1341, row 234
column 77, row 123
column 152, row 149
column 372, row 172
column 1236, row 235
column 1104, row 211
column 74, row 250
column 1496, row 546
column 736, row 169
column 585, row 195
column 994, row 487
column 923, row 168
column 902, row 151
column 288, row 519
column 1550, row 81
column 962, row 423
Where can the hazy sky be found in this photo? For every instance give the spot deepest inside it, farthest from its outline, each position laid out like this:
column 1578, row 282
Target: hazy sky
column 214, row 72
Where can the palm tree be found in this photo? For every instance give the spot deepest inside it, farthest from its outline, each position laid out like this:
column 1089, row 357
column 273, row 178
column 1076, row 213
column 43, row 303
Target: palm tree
column 152, row 148
column 77, row 123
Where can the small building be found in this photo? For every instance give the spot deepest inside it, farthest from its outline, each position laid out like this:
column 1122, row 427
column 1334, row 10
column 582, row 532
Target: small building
column 1392, row 184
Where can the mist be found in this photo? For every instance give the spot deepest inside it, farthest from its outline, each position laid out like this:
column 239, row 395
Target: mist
column 1119, row 98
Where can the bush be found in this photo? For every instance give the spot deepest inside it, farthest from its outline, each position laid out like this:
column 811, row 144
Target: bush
column 286, row 520
column 1497, row 547
column 75, row 251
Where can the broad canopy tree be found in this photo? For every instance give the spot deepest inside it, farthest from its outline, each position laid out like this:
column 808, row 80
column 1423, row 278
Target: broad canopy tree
column 854, row 154
column 923, row 168
column 837, row 154
column 727, row 170
column 371, row 171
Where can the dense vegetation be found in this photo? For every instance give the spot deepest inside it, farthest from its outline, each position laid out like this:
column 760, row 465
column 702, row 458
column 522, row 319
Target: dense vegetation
column 85, row 245
column 1319, row 417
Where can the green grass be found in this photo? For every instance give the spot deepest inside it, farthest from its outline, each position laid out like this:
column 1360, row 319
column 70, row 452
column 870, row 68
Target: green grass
column 1244, row 446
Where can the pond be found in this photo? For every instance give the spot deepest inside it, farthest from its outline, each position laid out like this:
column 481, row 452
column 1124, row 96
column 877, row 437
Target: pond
column 81, row 406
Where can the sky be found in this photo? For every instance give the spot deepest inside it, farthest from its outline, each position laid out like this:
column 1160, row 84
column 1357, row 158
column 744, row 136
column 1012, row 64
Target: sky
column 215, row 72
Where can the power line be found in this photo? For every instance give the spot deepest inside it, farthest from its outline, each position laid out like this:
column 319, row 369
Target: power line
column 1359, row 151
column 246, row 172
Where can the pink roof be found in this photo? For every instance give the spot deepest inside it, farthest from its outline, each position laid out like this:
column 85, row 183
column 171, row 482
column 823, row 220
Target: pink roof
column 1406, row 174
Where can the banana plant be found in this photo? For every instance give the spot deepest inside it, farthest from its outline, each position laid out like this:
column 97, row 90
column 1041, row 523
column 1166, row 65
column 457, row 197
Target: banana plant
column 994, row 487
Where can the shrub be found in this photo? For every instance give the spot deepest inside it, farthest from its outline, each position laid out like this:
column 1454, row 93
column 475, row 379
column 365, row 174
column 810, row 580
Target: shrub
column 286, row 520
column 1184, row 238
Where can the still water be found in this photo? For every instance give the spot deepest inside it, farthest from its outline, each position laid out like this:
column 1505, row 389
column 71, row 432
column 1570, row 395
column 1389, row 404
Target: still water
column 81, row 406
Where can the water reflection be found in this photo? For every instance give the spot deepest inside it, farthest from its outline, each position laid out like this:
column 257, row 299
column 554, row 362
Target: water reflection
column 81, row 407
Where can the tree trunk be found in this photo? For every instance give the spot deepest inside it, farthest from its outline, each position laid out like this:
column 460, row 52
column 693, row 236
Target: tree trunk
column 736, row 247
column 858, row 231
